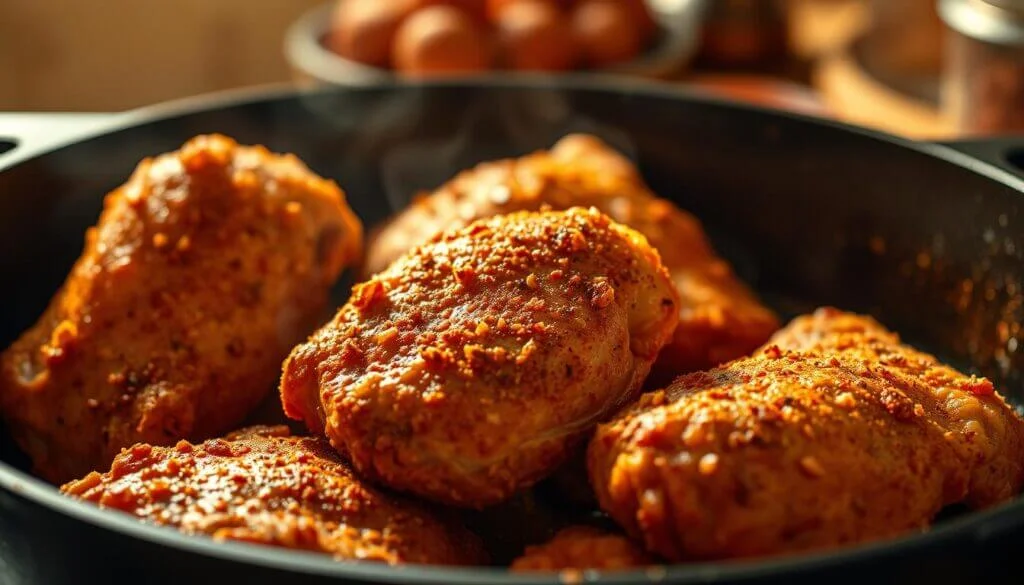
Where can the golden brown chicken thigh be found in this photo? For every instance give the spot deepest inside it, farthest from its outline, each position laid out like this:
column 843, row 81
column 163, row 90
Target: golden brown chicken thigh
column 991, row 435
column 205, row 268
column 820, row 444
column 281, row 491
column 720, row 318
column 583, row 548
column 472, row 365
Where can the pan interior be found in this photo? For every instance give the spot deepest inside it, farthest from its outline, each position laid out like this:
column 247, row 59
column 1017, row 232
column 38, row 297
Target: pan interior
column 809, row 215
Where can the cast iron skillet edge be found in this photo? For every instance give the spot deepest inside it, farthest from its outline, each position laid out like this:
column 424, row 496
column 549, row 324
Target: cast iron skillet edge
column 993, row 158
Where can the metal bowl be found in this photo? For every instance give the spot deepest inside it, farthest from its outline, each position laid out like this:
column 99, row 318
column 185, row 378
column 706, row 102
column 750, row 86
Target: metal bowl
column 313, row 63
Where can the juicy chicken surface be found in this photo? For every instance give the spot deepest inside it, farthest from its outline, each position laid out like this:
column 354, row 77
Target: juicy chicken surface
column 990, row 434
column 583, row 548
column 720, row 318
column 471, row 366
column 205, row 268
column 834, row 434
column 280, row 491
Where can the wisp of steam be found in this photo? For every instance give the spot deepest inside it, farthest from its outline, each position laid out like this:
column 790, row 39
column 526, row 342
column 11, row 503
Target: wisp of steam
column 518, row 126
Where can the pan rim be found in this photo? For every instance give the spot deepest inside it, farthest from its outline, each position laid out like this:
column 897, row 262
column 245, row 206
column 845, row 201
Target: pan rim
column 976, row 525
column 568, row 82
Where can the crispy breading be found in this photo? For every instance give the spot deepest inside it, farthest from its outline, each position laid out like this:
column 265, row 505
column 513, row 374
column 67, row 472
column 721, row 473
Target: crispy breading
column 833, row 434
column 205, row 268
column 583, row 548
column 472, row 366
column 720, row 318
column 291, row 492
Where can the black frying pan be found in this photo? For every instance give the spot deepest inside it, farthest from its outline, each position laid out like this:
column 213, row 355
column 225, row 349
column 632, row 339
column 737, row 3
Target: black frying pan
column 809, row 212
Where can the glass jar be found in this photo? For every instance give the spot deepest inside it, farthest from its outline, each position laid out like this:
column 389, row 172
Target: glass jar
column 983, row 87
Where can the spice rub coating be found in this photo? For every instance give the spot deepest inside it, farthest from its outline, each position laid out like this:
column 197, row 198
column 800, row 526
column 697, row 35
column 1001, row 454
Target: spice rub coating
column 720, row 318
column 808, row 444
column 583, row 548
column 471, row 366
column 205, row 268
column 281, row 491
column 989, row 433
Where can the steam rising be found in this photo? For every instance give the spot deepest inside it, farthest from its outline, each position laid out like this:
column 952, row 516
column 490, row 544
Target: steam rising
column 518, row 125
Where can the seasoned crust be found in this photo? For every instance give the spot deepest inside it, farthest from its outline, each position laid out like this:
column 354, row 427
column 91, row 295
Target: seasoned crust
column 470, row 367
column 720, row 318
column 205, row 268
column 797, row 449
column 290, row 492
column 990, row 432
column 583, row 548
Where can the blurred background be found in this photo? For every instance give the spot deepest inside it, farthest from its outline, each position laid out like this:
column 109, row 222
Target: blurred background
column 921, row 68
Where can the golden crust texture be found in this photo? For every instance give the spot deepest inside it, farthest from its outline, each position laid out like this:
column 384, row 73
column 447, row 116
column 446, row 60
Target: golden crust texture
column 990, row 433
column 720, row 318
column 288, row 492
column 806, row 445
column 470, row 367
column 205, row 268
column 583, row 548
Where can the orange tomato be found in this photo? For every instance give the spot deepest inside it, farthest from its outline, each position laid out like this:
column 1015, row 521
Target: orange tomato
column 439, row 40
column 494, row 7
column 363, row 30
column 606, row 31
column 534, row 35
column 475, row 8
column 643, row 18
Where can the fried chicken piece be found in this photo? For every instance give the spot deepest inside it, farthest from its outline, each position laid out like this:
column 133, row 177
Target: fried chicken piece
column 289, row 492
column 720, row 318
column 472, row 366
column 821, row 445
column 204, row 270
column 990, row 432
column 583, row 548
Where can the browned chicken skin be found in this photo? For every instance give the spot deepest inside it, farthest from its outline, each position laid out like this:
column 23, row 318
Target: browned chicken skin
column 582, row 548
column 282, row 491
column 720, row 318
column 205, row 268
column 470, row 367
column 991, row 435
column 836, row 434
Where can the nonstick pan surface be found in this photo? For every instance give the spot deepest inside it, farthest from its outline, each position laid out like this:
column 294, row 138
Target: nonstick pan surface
column 928, row 240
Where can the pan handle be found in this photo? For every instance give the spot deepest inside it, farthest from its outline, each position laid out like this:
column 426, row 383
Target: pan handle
column 1005, row 152
column 23, row 133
